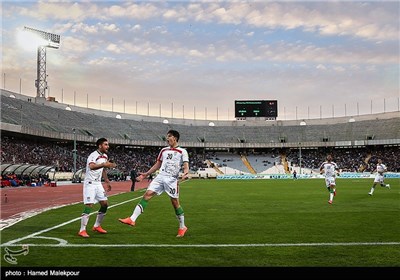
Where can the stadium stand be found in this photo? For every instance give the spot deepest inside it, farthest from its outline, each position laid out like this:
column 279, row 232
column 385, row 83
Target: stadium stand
column 47, row 117
column 48, row 125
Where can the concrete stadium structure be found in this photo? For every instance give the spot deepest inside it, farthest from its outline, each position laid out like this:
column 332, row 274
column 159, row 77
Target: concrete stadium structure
column 35, row 116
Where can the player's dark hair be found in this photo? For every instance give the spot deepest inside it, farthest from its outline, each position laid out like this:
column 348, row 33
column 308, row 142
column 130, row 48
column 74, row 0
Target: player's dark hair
column 101, row 141
column 174, row 133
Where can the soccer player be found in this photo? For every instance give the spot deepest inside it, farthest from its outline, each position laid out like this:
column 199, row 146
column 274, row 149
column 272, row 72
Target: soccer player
column 93, row 190
column 170, row 160
column 379, row 177
column 330, row 169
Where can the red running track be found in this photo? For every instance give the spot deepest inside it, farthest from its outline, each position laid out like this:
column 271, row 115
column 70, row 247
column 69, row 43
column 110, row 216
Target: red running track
column 16, row 201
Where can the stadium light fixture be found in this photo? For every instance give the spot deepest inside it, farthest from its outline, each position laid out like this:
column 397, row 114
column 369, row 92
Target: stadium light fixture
column 352, row 120
column 118, row 116
column 211, row 124
column 68, row 108
column 42, row 40
column 300, row 158
column 302, row 123
column 74, row 155
column 165, row 121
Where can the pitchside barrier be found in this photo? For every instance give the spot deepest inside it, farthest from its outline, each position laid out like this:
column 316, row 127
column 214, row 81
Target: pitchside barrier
column 345, row 175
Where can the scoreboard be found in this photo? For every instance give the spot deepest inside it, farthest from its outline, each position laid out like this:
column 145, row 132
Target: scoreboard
column 256, row 108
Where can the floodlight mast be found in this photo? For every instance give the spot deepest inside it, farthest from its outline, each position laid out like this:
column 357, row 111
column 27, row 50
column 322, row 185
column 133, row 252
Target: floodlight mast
column 49, row 41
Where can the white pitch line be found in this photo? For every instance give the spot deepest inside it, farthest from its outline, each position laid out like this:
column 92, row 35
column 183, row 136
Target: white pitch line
column 6, row 223
column 212, row 245
column 9, row 243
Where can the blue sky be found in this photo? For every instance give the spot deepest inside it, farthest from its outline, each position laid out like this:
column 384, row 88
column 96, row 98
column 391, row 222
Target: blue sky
column 193, row 59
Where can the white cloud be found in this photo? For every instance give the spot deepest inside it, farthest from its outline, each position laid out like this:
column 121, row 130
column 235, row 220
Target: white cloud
column 136, row 27
column 111, row 27
column 170, row 14
column 143, row 11
column 195, row 53
column 373, row 21
column 113, row 48
column 72, row 44
column 339, row 68
column 116, row 11
column 82, row 27
column 60, row 10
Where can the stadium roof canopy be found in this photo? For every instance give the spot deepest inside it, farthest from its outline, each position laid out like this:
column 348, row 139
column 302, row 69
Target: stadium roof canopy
column 25, row 169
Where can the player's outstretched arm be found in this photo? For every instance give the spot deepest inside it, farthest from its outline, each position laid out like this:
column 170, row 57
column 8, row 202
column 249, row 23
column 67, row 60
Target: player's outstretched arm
column 144, row 175
column 141, row 177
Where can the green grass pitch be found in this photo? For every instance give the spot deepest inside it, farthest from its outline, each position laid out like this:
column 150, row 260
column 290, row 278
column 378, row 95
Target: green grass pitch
column 234, row 223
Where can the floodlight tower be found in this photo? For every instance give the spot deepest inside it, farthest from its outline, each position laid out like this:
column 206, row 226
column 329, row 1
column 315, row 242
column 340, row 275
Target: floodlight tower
column 48, row 40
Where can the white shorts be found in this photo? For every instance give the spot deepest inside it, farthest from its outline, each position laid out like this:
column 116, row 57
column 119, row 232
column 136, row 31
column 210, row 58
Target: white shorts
column 330, row 181
column 166, row 184
column 379, row 178
column 93, row 192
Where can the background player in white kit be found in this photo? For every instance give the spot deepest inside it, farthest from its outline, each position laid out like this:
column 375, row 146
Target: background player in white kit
column 93, row 190
column 379, row 177
column 170, row 160
column 330, row 169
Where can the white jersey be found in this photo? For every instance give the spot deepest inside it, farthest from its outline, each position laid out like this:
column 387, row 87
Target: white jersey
column 380, row 168
column 329, row 169
column 172, row 160
column 95, row 175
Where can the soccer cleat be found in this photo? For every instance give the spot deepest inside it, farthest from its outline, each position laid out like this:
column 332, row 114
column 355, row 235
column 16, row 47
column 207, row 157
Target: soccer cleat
column 127, row 221
column 388, row 186
column 181, row 232
column 99, row 229
column 370, row 193
column 83, row 233
column 334, row 192
column 330, row 201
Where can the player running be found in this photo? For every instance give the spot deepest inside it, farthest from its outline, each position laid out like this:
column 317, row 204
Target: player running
column 379, row 177
column 330, row 170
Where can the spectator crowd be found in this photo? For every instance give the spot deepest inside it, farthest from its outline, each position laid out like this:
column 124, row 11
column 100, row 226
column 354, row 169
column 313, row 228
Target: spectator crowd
column 60, row 156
